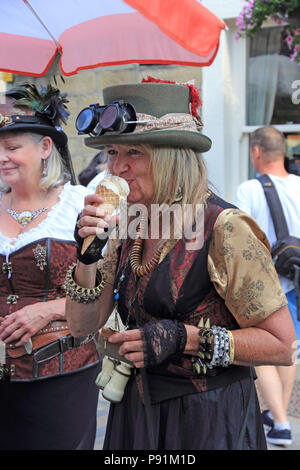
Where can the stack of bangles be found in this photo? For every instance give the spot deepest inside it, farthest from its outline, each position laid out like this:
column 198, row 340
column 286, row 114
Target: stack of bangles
column 82, row 294
column 216, row 348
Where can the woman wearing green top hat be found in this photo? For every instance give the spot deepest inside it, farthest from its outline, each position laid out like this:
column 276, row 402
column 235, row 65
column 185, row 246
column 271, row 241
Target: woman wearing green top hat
column 199, row 306
column 41, row 363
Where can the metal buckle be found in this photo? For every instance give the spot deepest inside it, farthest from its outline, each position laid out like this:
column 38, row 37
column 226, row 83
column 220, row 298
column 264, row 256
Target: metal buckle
column 66, row 343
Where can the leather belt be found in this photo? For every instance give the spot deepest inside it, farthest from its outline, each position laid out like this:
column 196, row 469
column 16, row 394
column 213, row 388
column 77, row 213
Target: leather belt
column 60, row 346
column 57, row 348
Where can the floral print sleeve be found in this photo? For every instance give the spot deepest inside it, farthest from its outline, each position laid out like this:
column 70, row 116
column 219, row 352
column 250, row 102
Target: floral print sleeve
column 241, row 268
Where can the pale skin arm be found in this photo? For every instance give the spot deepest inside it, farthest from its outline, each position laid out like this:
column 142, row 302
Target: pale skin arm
column 86, row 318
column 269, row 342
column 26, row 322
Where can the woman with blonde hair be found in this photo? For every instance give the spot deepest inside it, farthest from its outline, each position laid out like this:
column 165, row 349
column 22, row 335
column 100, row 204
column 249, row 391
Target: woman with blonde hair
column 41, row 363
column 200, row 307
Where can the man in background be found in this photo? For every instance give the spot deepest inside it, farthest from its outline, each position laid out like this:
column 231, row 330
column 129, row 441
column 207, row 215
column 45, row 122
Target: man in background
column 267, row 151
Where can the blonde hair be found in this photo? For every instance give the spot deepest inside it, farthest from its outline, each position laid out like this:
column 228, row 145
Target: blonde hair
column 56, row 173
column 178, row 171
column 179, row 176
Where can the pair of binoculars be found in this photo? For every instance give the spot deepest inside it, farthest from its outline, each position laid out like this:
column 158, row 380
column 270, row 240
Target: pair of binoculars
column 113, row 379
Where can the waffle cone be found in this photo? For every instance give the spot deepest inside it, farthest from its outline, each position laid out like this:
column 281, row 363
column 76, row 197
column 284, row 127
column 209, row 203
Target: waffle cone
column 111, row 202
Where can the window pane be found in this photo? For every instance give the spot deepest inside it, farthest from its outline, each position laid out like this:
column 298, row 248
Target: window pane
column 270, row 74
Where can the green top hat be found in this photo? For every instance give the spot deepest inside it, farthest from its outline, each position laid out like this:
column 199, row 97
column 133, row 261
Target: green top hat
column 163, row 110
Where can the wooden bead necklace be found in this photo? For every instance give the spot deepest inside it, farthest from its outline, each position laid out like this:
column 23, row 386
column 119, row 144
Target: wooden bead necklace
column 137, row 267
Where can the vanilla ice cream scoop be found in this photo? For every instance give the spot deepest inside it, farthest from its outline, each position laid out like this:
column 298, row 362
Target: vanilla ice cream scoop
column 117, row 184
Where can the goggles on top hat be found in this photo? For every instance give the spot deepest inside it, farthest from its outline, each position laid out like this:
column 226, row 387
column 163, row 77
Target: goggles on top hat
column 118, row 117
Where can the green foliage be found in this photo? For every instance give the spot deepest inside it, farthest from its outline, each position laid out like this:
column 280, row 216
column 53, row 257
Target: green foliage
column 255, row 12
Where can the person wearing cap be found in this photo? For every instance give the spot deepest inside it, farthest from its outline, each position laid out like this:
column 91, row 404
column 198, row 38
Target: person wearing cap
column 200, row 307
column 41, row 363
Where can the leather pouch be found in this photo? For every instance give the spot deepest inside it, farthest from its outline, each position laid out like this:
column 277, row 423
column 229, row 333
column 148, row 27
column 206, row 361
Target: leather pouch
column 110, row 349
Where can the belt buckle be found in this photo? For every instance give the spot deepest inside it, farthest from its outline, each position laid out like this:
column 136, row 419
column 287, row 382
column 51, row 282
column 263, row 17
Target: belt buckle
column 70, row 342
column 66, row 343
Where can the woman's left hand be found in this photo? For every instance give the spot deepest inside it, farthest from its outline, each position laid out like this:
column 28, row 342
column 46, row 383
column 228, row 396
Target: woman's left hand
column 20, row 326
column 131, row 347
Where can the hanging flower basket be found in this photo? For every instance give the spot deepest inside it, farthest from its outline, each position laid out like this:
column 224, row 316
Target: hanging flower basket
column 285, row 13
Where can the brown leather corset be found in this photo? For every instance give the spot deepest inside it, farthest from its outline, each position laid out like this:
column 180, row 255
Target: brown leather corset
column 36, row 273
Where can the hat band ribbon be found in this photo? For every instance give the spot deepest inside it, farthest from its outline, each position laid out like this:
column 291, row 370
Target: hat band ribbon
column 172, row 121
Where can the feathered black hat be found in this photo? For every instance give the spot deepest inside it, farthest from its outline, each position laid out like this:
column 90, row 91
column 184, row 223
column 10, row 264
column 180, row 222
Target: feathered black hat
column 27, row 109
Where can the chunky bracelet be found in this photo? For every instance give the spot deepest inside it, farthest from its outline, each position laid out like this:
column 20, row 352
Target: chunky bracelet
column 82, row 294
column 205, row 349
column 231, row 346
column 221, row 356
column 216, row 348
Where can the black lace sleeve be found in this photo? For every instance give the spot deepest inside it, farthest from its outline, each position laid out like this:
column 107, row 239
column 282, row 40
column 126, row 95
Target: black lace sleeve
column 162, row 339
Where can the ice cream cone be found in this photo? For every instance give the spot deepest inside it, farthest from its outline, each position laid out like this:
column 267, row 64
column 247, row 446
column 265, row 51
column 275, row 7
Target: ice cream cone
column 112, row 189
column 111, row 202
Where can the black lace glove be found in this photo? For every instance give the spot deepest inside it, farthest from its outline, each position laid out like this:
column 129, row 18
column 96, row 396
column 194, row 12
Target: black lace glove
column 94, row 252
column 162, row 339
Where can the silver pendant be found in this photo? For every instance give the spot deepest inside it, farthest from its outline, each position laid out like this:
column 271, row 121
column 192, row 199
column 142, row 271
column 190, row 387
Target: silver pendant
column 24, row 218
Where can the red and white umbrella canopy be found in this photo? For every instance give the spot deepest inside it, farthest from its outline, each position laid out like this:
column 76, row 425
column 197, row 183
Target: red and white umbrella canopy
column 93, row 33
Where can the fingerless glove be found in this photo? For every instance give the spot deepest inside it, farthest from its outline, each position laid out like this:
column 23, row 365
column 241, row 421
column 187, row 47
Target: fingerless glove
column 162, row 339
column 94, row 252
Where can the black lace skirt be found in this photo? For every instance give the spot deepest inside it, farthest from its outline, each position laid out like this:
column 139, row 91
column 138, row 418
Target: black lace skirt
column 199, row 421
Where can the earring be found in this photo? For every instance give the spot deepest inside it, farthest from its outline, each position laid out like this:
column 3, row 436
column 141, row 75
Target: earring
column 178, row 196
column 44, row 168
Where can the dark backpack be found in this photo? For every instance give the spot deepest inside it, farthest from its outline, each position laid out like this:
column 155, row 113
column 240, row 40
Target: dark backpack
column 286, row 250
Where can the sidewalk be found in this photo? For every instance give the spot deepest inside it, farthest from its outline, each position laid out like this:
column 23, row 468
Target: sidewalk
column 294, row 417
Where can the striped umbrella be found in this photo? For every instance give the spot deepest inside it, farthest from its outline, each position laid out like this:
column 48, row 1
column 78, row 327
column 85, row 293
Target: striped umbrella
column 93, row 33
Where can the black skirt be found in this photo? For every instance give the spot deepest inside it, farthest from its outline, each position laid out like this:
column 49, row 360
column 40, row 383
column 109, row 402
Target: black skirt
column 200, row 421
column 58, row 413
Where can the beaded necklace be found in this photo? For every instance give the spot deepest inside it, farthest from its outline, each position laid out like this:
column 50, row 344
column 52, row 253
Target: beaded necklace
column 137, row 267
column 139, row 270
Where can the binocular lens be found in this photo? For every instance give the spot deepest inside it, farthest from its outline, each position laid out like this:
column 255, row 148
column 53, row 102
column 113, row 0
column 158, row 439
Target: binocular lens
column 84, row 120
column 108, row 116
